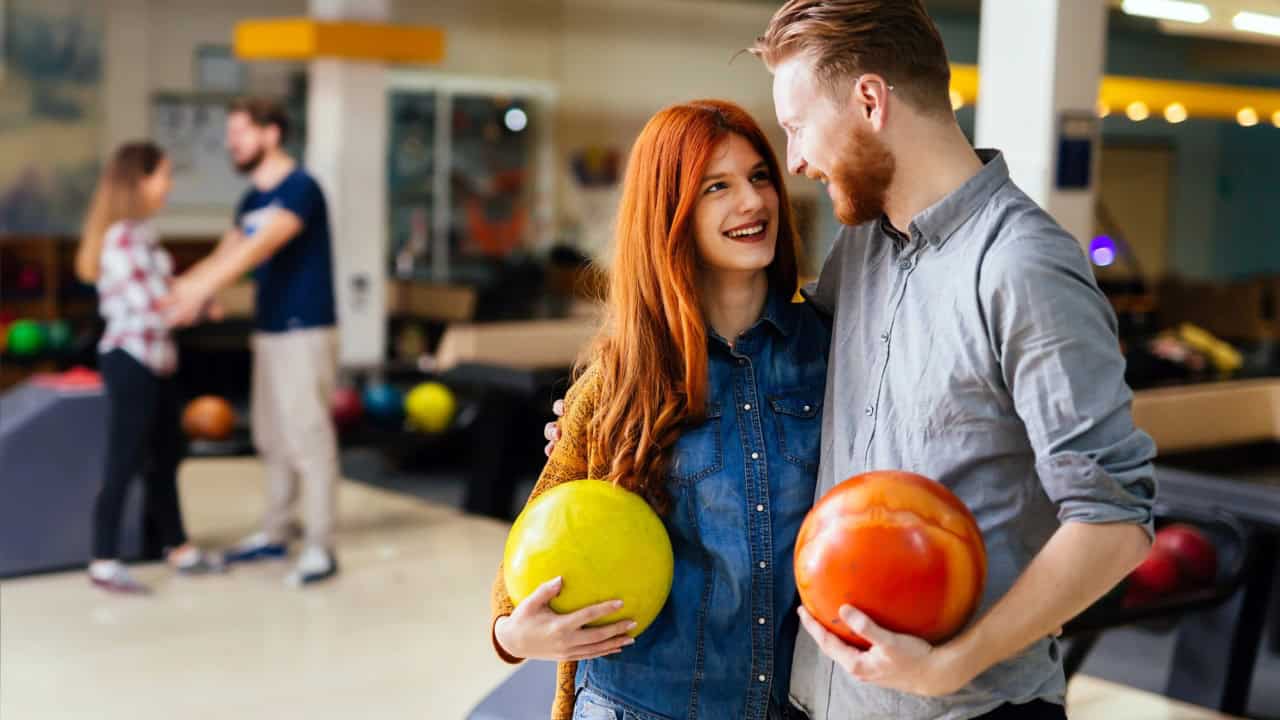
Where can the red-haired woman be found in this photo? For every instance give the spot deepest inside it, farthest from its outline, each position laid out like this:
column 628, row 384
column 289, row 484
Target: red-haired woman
column 702, row 393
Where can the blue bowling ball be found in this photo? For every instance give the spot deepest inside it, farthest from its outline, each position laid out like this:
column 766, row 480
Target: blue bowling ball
column 384, row 404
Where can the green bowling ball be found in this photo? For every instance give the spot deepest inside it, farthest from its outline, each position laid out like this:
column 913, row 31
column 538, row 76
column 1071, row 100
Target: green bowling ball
column 26, row 338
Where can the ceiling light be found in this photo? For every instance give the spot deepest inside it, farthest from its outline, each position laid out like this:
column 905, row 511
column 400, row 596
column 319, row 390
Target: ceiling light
column 1175, row 10
column 1257, row 23
column 1175, row 113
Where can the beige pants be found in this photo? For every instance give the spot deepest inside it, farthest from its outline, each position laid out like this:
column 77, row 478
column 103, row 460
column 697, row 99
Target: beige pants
column 293, row 380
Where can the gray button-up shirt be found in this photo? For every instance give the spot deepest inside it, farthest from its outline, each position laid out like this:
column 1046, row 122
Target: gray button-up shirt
column 977, row 351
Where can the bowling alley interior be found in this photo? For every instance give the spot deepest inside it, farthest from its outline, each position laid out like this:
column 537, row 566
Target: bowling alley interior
column 353, row 353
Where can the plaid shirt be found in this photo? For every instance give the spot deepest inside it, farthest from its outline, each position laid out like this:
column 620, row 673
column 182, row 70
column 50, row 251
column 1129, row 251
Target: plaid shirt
column 135, row 274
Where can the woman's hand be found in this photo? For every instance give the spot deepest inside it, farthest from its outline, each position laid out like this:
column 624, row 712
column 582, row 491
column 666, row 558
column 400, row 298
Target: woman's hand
column 552, row 429
column 536, row 632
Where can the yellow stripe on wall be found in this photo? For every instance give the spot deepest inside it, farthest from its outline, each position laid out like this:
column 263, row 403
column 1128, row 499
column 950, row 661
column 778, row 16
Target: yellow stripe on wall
column 305, row 39
column 1200, row 100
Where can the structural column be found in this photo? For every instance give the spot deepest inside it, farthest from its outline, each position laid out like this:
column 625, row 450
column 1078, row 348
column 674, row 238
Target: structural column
column 346, row 151
column 1041, row 62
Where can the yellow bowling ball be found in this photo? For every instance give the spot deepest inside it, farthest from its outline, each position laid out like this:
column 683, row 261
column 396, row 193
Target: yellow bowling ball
column 607, row 544
column 430, row 406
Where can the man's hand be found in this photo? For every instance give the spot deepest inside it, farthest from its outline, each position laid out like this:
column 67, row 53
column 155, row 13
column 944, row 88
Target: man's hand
column 898, row 662
column 185, row 302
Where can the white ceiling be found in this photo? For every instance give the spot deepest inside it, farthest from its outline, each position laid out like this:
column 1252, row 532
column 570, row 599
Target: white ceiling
column 1219, row 26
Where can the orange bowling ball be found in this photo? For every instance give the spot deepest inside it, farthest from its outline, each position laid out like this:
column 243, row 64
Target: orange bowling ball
column 897, row 546
column 208, row 417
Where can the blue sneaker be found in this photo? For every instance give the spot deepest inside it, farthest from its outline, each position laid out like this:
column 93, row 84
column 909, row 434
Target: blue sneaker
column 256, row 547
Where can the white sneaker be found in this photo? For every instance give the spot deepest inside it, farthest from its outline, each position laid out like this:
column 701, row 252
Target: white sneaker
column 314, row 564
column 197, row 561
column 113, row 576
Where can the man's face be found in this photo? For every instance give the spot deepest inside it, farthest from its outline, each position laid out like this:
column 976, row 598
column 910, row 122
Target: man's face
column 831, row 141
column 247, row 143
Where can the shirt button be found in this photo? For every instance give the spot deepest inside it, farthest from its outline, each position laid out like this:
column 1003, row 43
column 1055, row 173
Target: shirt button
column 747, row 406
column 870, row 410
column 742, row 361
column 807, row 408
column 759, row 508
column 761, row 621
column 763, row 678
column 905, row 265
column 755, row 456
column 884, row 337
column 763, row 564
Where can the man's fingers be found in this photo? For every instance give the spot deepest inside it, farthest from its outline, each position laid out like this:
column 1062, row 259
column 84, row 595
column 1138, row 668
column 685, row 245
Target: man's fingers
column 830, row 644
column 558, row 408
column 864, row 626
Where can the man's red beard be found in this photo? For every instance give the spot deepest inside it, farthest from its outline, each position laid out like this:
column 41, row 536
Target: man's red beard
column 862, row 175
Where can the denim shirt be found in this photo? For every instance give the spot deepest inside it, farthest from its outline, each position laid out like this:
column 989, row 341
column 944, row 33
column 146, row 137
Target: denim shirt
column 741, row 483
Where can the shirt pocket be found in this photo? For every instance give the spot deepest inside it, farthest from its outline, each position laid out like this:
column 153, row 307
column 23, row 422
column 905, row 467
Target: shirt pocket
column 699, row 452
column 798, row 418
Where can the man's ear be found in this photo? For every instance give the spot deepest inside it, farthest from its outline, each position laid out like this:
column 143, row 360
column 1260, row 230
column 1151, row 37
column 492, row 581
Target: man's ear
column 871, row 97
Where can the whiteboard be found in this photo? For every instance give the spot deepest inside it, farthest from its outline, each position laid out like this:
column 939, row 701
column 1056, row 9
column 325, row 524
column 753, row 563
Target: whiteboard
column 191, row 128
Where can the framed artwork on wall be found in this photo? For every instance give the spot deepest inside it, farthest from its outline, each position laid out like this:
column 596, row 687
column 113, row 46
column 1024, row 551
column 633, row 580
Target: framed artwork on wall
column 217, row 70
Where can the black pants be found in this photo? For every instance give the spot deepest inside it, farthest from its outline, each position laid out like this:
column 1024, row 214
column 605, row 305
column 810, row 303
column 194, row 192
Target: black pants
column 143, row 437
column 1034, row 710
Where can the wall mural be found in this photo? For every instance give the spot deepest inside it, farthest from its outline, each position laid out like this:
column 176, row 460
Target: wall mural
column 50, row 113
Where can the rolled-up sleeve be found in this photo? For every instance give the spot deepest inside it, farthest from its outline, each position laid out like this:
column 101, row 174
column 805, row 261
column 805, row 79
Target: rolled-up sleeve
column 1055, row 335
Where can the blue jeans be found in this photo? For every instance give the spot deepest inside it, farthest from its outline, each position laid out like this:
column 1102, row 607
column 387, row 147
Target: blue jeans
column 592, row 705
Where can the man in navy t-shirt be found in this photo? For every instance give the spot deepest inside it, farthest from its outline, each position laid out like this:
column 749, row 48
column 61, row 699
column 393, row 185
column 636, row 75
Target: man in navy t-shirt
column 295, row 285
column 282, row 234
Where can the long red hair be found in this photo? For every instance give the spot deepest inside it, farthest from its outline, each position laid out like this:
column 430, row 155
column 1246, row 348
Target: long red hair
column 651, row 353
